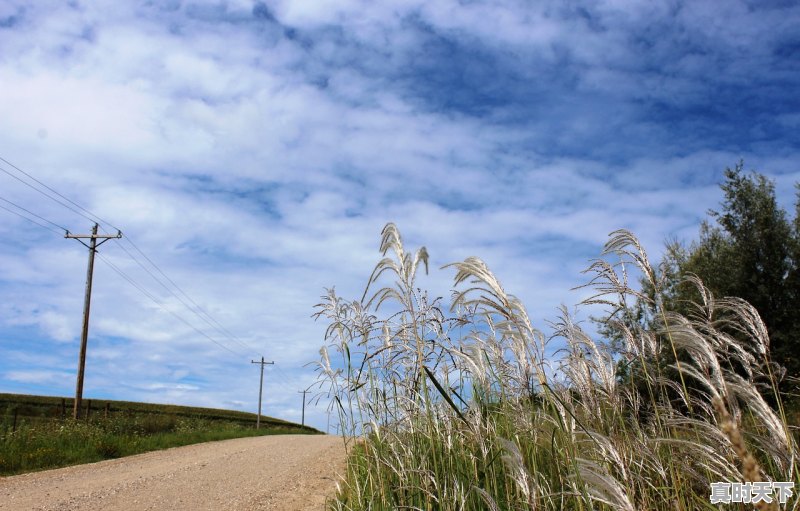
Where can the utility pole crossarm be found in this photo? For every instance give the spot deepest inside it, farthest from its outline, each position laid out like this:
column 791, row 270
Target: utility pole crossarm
column 94, row 236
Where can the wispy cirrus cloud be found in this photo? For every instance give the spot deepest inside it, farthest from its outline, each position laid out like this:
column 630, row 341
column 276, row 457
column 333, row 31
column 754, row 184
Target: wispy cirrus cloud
column 254, row 150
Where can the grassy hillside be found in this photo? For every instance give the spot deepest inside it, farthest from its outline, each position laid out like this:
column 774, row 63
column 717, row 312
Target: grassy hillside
column 37, row 432
column 39, row 408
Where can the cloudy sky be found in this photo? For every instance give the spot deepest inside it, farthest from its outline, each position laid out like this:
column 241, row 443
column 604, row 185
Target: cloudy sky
column 254, row 151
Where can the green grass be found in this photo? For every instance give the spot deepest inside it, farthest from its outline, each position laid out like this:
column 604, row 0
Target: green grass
column 461, row 409
column 41, row 439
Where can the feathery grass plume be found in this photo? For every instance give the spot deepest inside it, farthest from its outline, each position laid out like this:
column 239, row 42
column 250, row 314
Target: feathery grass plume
column 774, row 440
column 487, row 499
column 637, row 341
column 612, row 279
column 619, row 243
column 700, row 444
column 687, row 339
column 713, row 316
column 519, row 474
column 602, row 486
column 588, row 369
column 704, row 310
column 526, row 343
column 744, row 318
column 457, row 407
column 606, row 450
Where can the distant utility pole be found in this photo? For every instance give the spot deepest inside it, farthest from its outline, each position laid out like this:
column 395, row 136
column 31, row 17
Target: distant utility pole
column 260, row 388
column 303, row 422
column 92, row 246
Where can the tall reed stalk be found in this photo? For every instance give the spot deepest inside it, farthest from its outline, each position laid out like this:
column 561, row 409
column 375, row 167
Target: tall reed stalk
column 459, row 408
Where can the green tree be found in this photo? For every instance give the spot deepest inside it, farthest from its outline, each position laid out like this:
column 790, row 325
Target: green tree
column 749, row 250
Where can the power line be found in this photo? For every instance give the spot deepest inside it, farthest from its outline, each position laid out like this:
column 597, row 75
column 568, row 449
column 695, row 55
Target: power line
column 130, row 280
column 201, row 309
column 158, row 302
column 285, row 378
column 89, row 215
column 45, row 194
column 283, row 382
column 113, row 267
column 29, row 219
column 194, row 308
column 33, row 214
column 161, row 306
column 92, row 217
column 161, row 283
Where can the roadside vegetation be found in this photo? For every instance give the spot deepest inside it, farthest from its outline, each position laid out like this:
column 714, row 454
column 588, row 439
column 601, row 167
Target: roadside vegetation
column 34, row 436
column 467, row 406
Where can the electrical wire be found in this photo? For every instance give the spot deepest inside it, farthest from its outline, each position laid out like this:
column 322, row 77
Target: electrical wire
column 195, row 308
column 202, row 314
column 29, row 219
column 170, row 291
column 91, row 216
column 113, row 267
column 219, row 325
column 282, row 382
column 45, row 194
column 130, row 280
column 160, row 305
column 33, row 214
column 76, row 208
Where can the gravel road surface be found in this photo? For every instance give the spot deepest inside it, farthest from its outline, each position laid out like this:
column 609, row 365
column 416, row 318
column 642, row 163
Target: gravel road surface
column 280, row 473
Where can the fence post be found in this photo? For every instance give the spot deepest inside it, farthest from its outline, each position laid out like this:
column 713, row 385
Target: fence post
column 88, row 409
column 107, row 407
column 63, row 408
column 16, row 411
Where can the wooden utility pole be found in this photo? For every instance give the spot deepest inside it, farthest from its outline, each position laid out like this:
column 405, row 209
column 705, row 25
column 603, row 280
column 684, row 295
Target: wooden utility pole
column 260, row 388
column 92, row 246
column 303, row 421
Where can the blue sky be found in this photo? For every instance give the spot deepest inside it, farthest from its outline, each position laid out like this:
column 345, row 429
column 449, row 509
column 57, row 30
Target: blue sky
column 254, row 151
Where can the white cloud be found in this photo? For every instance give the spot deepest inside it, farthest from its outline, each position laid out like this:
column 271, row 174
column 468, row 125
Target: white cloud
column 256, row 168
column 38, row 377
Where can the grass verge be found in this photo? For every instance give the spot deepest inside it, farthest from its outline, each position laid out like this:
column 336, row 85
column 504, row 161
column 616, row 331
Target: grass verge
column 31, row 438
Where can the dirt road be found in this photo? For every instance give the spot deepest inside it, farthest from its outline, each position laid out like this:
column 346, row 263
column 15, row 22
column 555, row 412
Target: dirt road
column 280, row 473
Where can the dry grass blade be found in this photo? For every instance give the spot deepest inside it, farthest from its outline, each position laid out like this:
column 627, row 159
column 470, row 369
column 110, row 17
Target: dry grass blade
column 602, row 486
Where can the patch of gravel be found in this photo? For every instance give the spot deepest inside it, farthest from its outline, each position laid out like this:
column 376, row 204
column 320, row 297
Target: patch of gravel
column 275, row 473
